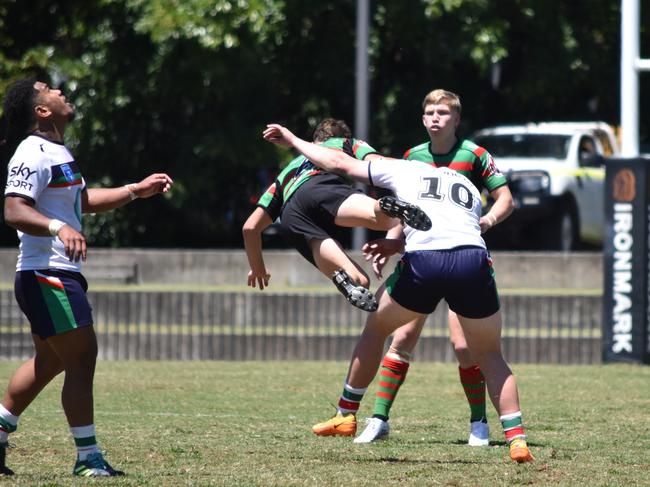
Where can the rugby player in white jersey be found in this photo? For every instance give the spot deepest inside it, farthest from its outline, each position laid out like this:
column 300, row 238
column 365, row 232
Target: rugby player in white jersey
column 45, row 196
column 449, row 261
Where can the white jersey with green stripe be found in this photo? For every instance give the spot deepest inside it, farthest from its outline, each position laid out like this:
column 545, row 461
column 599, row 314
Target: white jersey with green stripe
column 450, row 200
column 46, row 174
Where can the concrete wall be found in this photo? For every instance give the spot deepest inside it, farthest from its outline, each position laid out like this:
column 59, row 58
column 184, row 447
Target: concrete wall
column 295, row 325
column 579, row 270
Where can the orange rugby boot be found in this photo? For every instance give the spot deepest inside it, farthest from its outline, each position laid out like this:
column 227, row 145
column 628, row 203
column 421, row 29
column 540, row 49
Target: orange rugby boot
column 519, row 451
column 338, row 425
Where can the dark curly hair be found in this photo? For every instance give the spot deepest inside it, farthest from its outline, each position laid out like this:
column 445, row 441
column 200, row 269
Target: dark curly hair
column 331, row 127
column 18, row 113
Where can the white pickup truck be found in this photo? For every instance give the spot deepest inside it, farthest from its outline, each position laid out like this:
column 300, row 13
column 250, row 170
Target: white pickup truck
column 556, row 176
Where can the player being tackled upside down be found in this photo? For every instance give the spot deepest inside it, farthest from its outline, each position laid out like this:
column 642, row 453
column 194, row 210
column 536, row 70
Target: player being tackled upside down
column 311, row 203
column 449, row 261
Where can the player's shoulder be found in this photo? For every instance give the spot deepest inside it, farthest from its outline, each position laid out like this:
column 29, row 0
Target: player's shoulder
column 472, row 147
column 334, row 142
column 356, row 148
column 295, row 162
column 344, row 143
column 417, row 150
column 33, row 150
column 32, row 144
column 356, row 143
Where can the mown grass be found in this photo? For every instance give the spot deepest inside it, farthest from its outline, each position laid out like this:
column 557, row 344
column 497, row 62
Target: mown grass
column 248, row 424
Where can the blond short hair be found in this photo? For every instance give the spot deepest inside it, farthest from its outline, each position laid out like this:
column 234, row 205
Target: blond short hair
column 437, row 97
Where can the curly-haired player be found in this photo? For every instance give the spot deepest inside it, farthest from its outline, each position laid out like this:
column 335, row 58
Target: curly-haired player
column 45, row 197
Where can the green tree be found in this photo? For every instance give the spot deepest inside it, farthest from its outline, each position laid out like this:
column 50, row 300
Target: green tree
column 186, row 86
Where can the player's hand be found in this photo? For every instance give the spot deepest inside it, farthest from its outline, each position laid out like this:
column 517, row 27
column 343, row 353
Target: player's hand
column 278, row 134
column 260, row 279
column 379, row 251
column 486, row 222
column 74, row 242
column 154, row 184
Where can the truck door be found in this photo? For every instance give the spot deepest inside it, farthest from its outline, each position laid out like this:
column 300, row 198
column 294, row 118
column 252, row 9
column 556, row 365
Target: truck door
column 590, row 193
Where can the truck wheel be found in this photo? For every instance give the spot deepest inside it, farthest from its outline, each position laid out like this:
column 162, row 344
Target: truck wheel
column 562, row 230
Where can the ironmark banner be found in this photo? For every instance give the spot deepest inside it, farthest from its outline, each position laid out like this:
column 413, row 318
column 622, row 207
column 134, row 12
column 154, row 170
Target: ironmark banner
column 626, row 248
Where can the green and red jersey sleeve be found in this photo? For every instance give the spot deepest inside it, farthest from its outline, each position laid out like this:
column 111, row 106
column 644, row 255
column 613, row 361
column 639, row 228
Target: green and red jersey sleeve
column 472, row 161
column 273, row 198
column 300, row 170
column 359, row 149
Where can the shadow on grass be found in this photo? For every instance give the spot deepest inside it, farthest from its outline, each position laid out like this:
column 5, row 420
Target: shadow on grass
column 463, row 442
column 408, row 461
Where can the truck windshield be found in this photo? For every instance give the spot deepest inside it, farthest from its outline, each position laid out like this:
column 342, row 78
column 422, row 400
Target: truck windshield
column 525, row 145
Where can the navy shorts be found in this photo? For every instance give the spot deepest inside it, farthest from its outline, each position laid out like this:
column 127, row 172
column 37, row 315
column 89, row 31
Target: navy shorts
column 312, row 209
column 463, row 276
column 54, row 301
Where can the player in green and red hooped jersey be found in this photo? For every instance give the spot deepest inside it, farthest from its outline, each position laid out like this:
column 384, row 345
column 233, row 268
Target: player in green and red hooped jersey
column 311, row 203
column 449, row 260
column 441, row 118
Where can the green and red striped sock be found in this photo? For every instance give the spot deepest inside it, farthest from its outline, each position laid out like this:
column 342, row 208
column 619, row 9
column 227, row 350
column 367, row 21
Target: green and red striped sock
column 513, row 426
column 391, row 377
column 474, row 386
column 350, row 399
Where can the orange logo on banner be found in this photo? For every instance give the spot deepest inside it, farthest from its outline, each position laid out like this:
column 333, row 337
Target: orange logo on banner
column 624, row 185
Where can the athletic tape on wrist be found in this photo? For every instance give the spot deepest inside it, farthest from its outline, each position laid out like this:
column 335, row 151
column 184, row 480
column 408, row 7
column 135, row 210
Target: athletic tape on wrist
column 131, row 189
column 54, row 226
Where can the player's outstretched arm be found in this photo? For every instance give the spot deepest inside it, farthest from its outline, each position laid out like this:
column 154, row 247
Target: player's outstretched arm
column 329, row 159
column 98, row 200
column 252, row 233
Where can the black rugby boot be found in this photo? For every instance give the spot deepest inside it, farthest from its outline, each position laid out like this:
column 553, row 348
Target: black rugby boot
column 411, row 215
column 356, row 295
column 4, row 470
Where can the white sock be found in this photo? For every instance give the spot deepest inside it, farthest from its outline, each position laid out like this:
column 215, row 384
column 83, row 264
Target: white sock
column 10, row 422
column 84, row 439
column 7, row 416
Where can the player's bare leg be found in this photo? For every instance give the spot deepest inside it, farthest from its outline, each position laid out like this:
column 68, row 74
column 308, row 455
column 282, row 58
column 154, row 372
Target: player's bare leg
column 31, row 377
column 348, row 277
column 369, row 350
column 359, row 210
column 25, row 384
column 329, row 256
column 458, row 342
column 484, row 339
column 473, row 382
column 365, row 361
column 77, row 350
column 382, row 214
column 392, row 374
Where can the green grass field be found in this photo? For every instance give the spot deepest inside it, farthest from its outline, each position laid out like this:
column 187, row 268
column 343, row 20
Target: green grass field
column 248, row 424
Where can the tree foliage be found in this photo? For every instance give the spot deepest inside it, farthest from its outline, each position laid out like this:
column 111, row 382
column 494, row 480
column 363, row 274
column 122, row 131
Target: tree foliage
column 186, row 86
